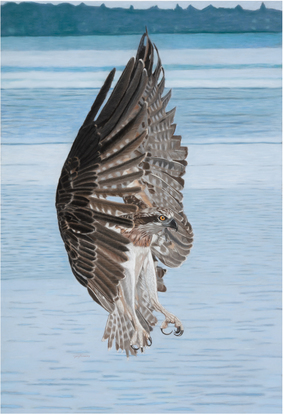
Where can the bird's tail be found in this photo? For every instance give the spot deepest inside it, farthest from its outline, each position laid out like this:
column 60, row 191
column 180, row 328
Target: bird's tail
column 119, row 329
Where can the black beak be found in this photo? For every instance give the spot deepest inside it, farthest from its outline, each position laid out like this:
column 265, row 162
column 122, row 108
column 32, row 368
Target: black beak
column 173, row 225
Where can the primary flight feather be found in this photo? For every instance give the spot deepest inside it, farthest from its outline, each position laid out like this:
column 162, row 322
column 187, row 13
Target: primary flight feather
column 127, row 151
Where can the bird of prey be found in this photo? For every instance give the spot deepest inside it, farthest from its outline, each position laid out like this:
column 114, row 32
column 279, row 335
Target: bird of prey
column 119, row 201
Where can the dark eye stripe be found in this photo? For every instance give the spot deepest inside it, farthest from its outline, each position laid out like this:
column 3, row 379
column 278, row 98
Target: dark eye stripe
column 144, row 219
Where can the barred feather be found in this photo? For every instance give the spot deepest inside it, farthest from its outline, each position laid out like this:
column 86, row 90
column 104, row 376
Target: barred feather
column 129, row 151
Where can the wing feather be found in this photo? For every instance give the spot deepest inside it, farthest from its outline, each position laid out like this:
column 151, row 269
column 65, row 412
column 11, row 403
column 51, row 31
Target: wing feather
column 117, row 94
column 84, row 213
column 113, row 208
column 125, row 179
column 122, row 155
column 115, row 171
column 172, row 168
column 129, row 151
column 99, row 100
column 165, row 161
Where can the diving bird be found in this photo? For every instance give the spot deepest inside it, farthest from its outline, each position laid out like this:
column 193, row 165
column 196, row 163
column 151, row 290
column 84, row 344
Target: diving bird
column 119, row 201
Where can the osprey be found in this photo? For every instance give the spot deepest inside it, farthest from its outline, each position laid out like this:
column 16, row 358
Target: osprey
column 119, row 201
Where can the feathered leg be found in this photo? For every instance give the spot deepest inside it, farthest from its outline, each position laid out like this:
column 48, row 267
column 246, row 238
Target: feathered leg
column 119, row 328
column 143, row 304
column 151, row 282
column 141, row 337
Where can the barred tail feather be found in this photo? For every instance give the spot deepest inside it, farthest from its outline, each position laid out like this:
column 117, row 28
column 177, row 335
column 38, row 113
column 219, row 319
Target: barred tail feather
column 149, row 318
column 120, row 329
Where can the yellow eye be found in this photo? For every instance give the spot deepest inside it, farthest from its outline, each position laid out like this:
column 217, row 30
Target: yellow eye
column 162, row 217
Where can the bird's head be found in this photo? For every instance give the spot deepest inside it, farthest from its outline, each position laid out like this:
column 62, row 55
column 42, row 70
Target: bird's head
column 155, row 220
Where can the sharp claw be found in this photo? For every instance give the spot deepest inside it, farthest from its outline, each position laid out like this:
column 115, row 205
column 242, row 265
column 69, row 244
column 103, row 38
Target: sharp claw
column 134, row 348
column 142, row 349
column 178, row 332
column 150, row 342
column 166, row 334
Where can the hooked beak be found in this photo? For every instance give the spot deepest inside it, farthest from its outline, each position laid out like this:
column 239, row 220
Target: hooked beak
column 173, row 225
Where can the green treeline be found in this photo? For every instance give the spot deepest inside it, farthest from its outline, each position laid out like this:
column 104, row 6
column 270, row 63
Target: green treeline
column 65, row 19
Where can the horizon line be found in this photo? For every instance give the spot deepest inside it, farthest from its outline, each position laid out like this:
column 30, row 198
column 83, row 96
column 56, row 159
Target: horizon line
column 160, row 4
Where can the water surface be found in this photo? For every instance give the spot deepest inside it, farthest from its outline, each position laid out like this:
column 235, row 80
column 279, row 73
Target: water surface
column 228, row 293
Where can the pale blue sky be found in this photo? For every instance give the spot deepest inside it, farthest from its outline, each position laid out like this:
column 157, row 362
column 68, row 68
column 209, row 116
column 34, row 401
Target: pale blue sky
column 252, row 5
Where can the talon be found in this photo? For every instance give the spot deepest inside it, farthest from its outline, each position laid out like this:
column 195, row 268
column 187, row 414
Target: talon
column 142, row 350
column 166, row 334
column 150, row 342
column 134, row 348
column 178, row 332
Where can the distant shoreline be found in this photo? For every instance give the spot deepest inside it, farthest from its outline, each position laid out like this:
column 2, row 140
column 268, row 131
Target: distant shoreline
column 65, row 19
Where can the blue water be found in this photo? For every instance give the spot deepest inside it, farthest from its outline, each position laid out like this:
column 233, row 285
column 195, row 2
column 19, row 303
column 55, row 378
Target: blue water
column 228, row 293
column 231, row 115
column 163, row 41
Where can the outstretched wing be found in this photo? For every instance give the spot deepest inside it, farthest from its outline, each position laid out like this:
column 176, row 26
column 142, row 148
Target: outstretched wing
column 129, row 151
column 164, row 164
column 103, row 162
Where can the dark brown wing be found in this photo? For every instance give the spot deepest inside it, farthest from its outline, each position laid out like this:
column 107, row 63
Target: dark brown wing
column 165, row 162
column 128, row 151
column 103, row 162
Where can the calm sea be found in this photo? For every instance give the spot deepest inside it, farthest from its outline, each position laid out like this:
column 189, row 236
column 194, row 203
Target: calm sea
column 227, row 90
